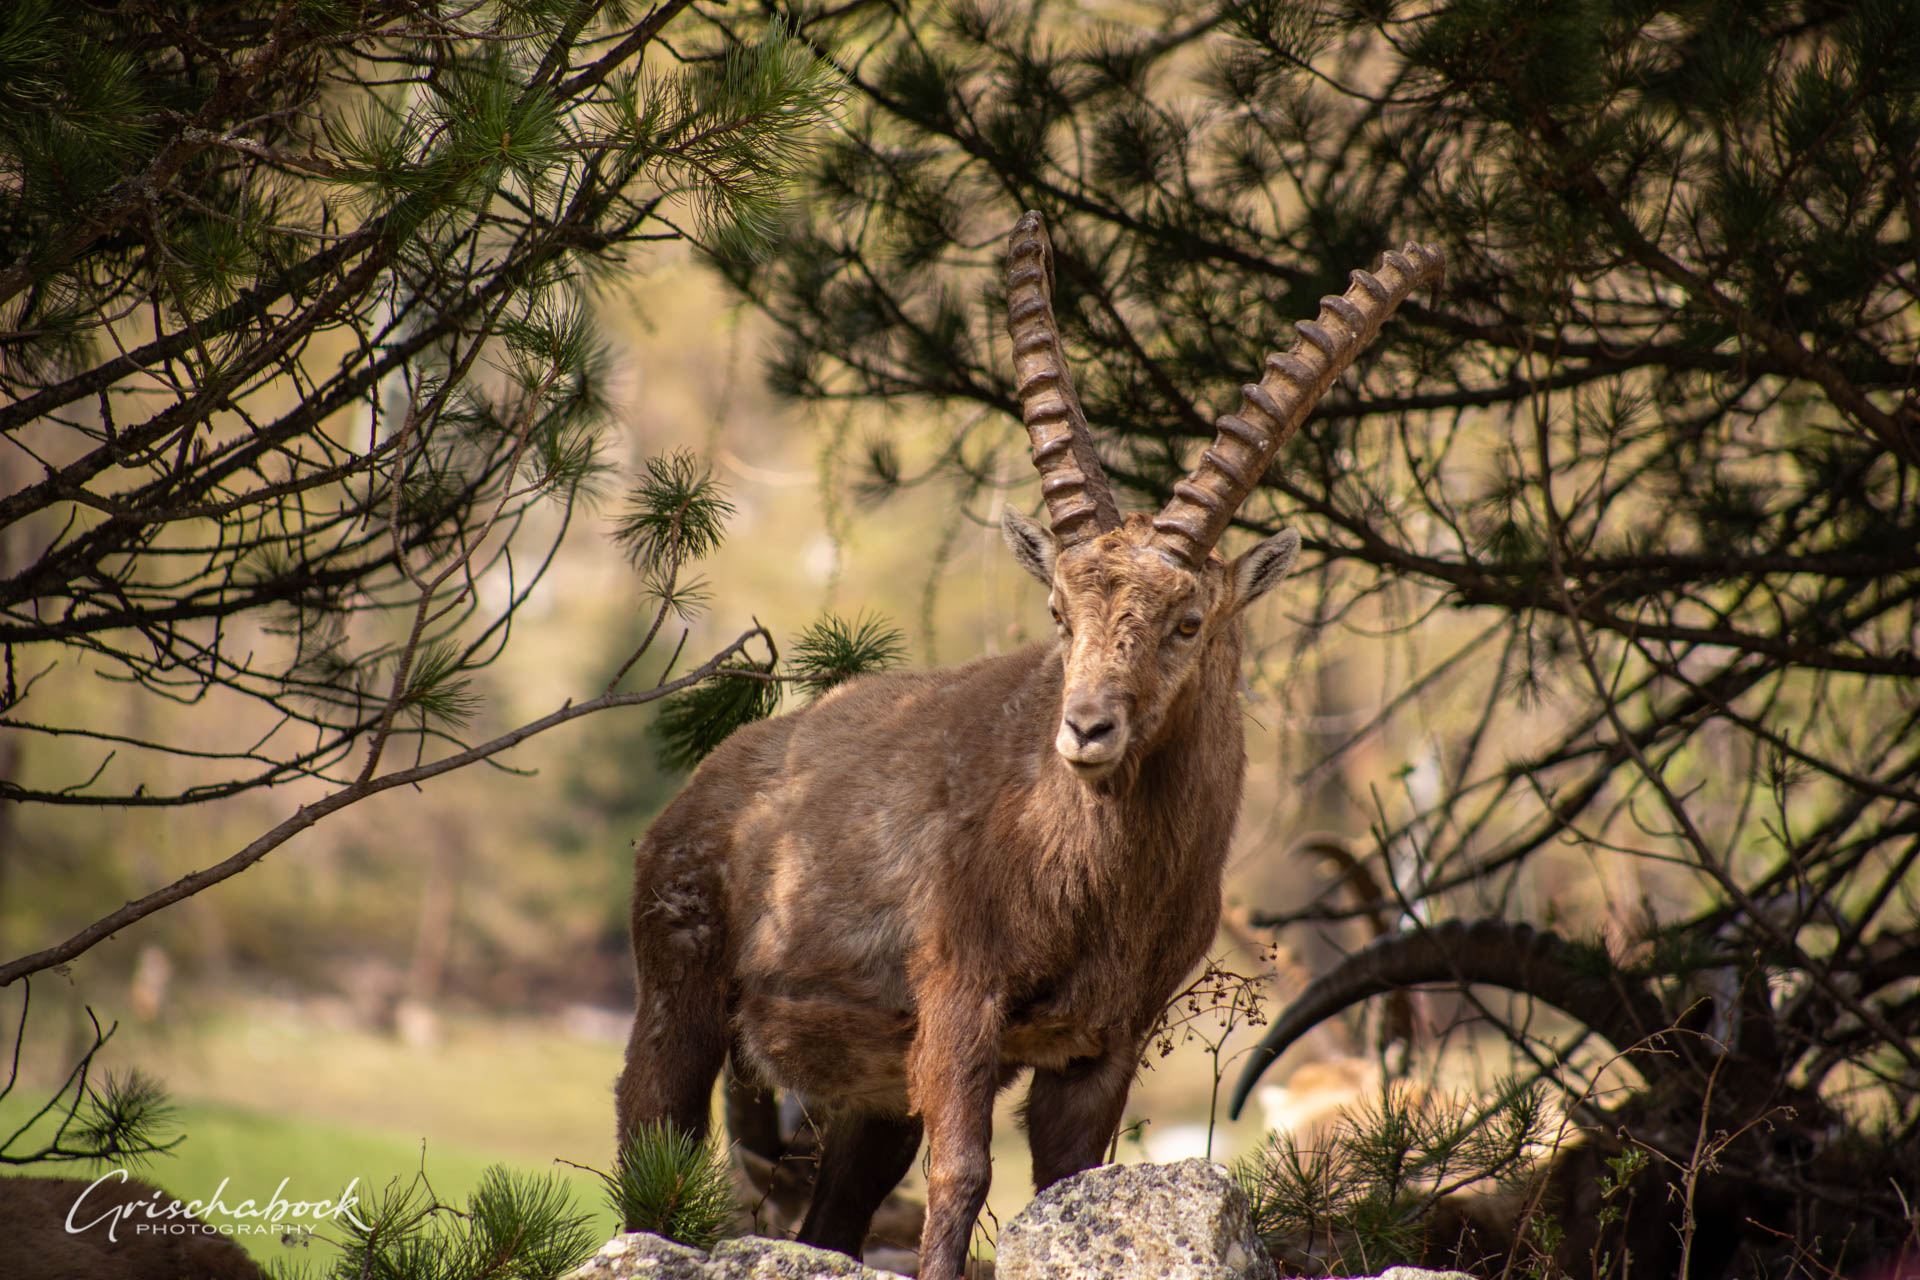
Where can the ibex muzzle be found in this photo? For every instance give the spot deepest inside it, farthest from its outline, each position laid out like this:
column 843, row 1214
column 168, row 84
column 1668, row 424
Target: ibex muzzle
column 899, row 899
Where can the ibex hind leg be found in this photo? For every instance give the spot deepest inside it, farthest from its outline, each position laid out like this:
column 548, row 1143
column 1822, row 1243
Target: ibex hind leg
column 683, row 1004
column 864, row 1158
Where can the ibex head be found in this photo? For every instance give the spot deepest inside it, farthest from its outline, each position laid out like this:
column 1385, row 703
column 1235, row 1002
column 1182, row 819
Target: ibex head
column 1135, row 623
column 1139, row 601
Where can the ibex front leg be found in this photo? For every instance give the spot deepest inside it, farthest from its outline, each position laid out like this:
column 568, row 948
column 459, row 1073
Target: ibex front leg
column 1072, row 1114
column 953, row 1071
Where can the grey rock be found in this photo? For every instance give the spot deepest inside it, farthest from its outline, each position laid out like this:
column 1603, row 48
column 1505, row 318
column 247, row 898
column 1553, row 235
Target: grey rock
column 1185, row 1221
column 640, row 1256
column 757, row 1258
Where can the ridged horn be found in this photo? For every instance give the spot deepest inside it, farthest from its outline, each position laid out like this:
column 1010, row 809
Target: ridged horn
column 1079, row 504
column 1273, row 409
column 1494, row 953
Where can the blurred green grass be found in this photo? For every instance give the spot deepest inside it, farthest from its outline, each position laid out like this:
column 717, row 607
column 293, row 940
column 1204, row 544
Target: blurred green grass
column 266, row 1090
column 307, row 1089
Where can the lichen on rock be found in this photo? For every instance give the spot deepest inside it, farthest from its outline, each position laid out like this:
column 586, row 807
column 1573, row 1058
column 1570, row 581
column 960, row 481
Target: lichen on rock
column 1184, row 1221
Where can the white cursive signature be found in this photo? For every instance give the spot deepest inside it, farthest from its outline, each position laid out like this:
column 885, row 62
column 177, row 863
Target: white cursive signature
column 160, row 1207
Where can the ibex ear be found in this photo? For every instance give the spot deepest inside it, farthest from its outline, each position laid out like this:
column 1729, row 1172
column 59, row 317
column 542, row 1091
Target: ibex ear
column 1031, row 544
column 1256, row 571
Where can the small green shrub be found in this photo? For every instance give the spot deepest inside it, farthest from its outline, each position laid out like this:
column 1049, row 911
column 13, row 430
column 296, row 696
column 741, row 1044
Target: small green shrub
column 671, row 1185
column 1361, row 1202
column 515, row 1226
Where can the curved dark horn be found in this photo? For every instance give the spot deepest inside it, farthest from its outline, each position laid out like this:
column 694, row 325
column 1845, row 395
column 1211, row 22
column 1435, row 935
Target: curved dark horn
column 1270, row 412
column 1494, row 953
column 1079, row 504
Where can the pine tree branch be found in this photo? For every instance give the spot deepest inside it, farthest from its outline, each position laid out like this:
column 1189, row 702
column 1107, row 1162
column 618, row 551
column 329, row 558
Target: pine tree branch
column 308, row 815
column 131, row 197
column 1894, row 431
column 642, row 35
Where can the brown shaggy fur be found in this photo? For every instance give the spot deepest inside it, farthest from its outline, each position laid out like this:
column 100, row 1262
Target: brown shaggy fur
column 901, row 897
column 35, row 1243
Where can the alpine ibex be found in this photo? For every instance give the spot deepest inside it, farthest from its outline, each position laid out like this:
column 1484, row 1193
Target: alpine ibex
column 895, row 900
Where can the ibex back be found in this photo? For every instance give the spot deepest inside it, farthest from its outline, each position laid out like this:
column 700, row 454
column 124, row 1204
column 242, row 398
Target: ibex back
column 896, row 900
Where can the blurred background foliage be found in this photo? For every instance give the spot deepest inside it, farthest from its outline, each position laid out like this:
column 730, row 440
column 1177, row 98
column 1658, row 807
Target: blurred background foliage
column 1606, row 621
column 305, row 387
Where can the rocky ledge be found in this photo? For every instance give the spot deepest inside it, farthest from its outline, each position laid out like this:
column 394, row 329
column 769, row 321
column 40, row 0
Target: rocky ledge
column 1184, row 1221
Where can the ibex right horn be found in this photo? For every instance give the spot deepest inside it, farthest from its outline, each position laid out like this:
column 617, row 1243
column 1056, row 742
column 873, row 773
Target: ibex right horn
column 1273, row 409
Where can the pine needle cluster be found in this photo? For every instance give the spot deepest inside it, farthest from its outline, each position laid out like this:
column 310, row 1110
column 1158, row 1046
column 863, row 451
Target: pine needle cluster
column 692, row 723
column 119, row 1117
column 676, row 514
column 673, row 1185
column 514, row 1226
column 828, row 652
column 834, row 650
column 1361, row 1202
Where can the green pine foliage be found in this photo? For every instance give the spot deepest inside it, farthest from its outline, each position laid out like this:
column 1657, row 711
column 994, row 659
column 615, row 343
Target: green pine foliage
column 691, row 723
column 675, row 515
column 127, row 1116
column 119, row 1117
column 514, row 1226
column 736, row 127
column 1360, row 1202
column 297, row 323
column 672, row 1185
column 522, row 1225
column 836, row 649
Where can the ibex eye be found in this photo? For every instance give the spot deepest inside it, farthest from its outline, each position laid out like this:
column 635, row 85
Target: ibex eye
column 1189, row 627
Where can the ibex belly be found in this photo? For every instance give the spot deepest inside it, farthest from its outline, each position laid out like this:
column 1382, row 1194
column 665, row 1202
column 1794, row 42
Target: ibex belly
column 1049, row 1044
column 844, row 1053
column 825, row 1007
column 827, row 1049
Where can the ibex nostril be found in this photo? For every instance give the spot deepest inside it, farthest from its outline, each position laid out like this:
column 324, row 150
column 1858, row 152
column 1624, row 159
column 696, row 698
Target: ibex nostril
column 1089, row 733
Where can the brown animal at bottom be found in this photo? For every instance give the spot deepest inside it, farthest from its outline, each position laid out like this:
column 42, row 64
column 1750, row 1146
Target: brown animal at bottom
column 1730, row 1150
column 69, row 1229
column 898, row 899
